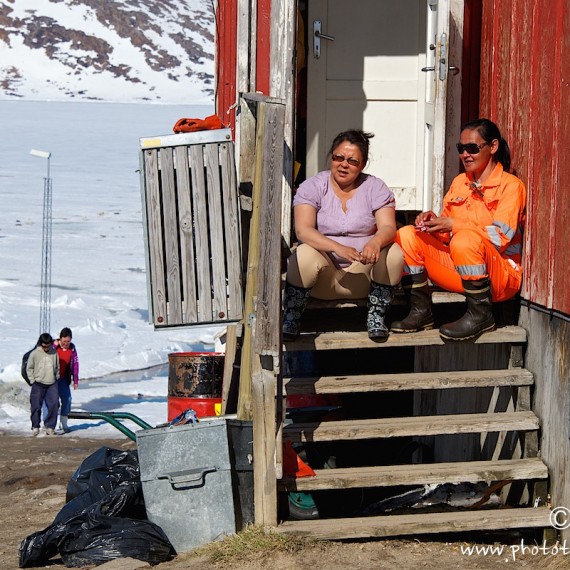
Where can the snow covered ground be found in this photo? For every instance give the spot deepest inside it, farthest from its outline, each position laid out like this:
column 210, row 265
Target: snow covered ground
column 98, row 263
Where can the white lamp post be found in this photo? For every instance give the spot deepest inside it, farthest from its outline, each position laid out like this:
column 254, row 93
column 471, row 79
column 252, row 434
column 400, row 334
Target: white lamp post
column 45, row 300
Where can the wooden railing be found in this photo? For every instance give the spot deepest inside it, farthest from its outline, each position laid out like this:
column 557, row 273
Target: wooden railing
column 262, row 150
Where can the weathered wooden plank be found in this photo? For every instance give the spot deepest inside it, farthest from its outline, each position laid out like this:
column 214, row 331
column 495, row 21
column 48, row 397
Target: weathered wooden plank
column 283, row 32
column 244, row 43
column 232, row 232
column 216, row 231
column 245, row 407
column 268, row 307
column 186, row 228
column 343, row 340
column 266, row 342
column 437, row 297
column 204, row 287
column 247, row 157
column 229, row 362
column 409, row 381
column 410, row 426
column 154, row 217
column 264, row 474
column 435, row 473
column 429, row 523
column 171, row 251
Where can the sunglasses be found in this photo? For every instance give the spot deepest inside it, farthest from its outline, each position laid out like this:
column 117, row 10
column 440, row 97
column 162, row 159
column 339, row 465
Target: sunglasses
column 471, row 148
column 45, row 345
column 340, row 158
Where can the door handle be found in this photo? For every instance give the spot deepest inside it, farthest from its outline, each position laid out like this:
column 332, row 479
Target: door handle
column 324, row 36
column 454, row 70
column 443, row 67
column 317, row 37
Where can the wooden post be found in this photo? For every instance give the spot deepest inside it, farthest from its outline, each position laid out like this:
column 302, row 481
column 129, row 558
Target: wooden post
column 267, row 333
column 244, row 411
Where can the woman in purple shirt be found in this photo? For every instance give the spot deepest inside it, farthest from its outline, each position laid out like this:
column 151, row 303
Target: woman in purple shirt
column 346, row 223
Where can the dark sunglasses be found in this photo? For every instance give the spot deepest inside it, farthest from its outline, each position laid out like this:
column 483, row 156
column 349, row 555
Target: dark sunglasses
column 340, row 158
column 471, row 148
column 45, row 345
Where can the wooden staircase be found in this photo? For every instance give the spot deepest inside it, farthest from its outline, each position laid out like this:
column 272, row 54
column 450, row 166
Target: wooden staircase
column 464, row 409
column 502, row 450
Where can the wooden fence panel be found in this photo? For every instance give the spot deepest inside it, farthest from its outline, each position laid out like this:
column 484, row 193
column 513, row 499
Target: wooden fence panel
column 192, row 228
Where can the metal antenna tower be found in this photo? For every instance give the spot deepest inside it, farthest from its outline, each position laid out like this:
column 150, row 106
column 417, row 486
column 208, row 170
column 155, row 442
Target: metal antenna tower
column 45, row 299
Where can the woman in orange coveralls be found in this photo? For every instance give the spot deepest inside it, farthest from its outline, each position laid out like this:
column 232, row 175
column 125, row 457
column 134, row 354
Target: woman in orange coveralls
column 475, row 246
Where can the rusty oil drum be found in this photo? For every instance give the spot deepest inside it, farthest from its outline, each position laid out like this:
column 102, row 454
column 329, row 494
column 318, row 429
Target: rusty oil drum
column 195, row 381
column 195, row 374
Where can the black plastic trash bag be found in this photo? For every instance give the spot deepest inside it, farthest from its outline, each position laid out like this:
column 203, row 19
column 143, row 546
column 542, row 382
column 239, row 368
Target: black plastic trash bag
column 93, row 536
column 102, row 471
column 100, row 539
column 113, row 477
column 98, row 474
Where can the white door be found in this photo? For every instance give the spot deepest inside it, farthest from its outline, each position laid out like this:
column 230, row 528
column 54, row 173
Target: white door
column 369, row 66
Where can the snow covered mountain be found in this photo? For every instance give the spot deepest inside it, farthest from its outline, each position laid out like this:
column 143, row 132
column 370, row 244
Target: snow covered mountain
column 107, row 50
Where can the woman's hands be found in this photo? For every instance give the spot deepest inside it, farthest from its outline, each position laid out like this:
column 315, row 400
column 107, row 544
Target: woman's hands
column 371, row 252
column 430, row 223
column 348, row 253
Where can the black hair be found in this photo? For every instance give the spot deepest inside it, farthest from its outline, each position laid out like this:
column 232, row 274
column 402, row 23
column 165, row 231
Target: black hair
column 45, row 338
column 65, row 332
column 355, row 137
column 489, row 132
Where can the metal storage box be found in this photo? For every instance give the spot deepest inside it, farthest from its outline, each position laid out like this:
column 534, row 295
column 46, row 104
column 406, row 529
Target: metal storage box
column 197, row 479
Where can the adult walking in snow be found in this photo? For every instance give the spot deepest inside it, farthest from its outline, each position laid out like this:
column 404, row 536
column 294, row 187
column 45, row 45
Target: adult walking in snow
column 43, row 372
column 68, row 373
column 346, row 223
column 474, row 247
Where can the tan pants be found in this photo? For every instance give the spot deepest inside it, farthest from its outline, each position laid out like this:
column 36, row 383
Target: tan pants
column 309, row 268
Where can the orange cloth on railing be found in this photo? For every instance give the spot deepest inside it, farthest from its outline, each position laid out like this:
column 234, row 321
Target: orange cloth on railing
column 193, row 125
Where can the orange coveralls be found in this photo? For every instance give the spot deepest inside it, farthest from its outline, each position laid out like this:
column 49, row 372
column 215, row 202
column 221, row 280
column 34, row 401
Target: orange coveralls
column 486, row 239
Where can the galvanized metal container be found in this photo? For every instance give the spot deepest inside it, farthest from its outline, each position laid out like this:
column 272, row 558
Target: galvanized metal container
column 197, row 479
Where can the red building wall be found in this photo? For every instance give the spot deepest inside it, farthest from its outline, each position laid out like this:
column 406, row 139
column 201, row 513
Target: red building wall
column 226, row 56
column 226, row 38
column 525, row 89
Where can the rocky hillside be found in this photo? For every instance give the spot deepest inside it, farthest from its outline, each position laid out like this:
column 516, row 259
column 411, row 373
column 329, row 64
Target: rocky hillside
column 108, row 50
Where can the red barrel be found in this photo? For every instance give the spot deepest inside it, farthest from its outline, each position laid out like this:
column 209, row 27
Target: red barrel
column 195, row 381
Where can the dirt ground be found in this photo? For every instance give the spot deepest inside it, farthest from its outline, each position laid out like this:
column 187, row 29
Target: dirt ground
column 34, row 473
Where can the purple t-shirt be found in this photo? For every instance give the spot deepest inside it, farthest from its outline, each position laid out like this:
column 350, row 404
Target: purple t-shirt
column 355, row 226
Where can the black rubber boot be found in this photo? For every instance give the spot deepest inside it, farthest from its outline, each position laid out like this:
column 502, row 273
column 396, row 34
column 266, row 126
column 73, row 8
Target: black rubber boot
column 479, row 315
column 294, row 303
column 379, row 300
column 420, row 317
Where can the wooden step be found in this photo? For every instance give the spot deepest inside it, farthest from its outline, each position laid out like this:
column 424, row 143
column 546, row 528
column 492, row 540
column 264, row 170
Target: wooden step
column 426, row 523
column 409, row 381
column 437, row 297
column 410, row 426
column 424, row 474
column 347, row 340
